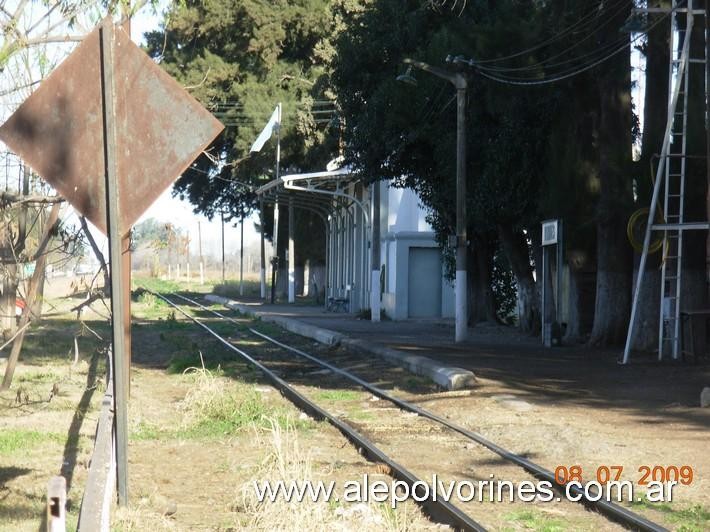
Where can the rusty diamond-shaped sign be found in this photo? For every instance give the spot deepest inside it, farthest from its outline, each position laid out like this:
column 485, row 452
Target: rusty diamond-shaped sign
column 160, row 130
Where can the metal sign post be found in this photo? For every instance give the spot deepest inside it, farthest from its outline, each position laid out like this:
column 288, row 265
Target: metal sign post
column 109, row 94
column 551, row 236
column 120, row 387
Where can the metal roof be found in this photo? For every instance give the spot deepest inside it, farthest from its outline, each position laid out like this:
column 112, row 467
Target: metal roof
column 318, row 197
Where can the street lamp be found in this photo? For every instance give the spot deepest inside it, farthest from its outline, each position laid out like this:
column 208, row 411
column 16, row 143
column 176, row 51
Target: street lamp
column 459, row 82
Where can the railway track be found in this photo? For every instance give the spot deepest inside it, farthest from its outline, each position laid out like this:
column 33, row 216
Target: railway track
column 437, row 509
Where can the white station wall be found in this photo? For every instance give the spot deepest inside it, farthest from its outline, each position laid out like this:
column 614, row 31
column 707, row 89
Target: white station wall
column 404, row 226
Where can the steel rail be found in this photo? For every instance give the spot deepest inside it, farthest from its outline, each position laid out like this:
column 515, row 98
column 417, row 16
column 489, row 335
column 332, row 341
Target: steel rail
column 437, row 509
column 613, row 511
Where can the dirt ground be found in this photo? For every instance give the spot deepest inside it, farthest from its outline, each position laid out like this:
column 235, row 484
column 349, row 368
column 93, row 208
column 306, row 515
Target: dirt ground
column 48, row 417
column 199, row 437
column 568, row 430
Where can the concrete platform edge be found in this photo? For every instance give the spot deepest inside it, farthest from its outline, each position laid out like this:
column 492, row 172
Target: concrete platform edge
column 449, row 378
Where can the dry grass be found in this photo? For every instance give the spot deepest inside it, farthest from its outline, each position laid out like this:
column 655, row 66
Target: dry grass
column 288, row 461
column 216, row 406
column 141, row 516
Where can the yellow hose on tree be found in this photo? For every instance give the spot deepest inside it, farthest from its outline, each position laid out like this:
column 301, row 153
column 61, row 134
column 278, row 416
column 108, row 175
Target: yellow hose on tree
column 637, row 225
column 639, row 220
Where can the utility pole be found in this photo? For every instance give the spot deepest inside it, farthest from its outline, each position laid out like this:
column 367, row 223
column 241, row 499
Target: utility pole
column 223, row 246
column 241, row 259
column 187, row 256
column 461, row 237
column 458, row 80
column 199, row 247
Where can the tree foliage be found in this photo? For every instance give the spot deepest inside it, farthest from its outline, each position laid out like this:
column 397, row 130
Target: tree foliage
column 535, row 151
column 240, row 58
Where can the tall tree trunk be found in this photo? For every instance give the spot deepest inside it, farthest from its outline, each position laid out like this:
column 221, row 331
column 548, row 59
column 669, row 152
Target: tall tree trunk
column 480, row 291
column 614, row 257
column 9, row 293
column 573, row 333
column 654, row 125
column 10, row 254
column 516, row 248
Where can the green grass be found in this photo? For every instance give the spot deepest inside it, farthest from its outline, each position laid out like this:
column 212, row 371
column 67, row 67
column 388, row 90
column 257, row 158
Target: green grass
column 534, row 520
column 694, row 518
column 41, row 377
column 179, row 362
column 417, row 382
column 230, row 289
column 338, row 395
column 149, row 306
column 147, row 431
column 215, row 407
column 12, row 440
column 157, row 285
column 361, row 415
column 229, row 412
column 268, row 329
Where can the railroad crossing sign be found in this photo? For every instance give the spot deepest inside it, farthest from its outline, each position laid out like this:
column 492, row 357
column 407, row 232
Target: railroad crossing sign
column 160, row 130
column 110, row 131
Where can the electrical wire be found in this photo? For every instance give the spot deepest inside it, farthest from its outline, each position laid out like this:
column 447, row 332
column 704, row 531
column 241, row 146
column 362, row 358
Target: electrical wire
column 561, row 75
column 609, row 19
column 586, row 20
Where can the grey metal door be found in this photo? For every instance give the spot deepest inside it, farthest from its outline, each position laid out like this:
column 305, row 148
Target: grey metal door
column 424, row 283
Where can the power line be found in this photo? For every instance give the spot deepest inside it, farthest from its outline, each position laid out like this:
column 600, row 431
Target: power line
column 586, row 20
column 560, row 75
column 609, row 19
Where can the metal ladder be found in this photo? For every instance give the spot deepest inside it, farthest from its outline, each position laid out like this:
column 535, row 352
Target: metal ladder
column 674, row 191
column 670, row 176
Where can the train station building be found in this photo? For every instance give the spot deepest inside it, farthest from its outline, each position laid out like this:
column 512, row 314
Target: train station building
column 411, row 273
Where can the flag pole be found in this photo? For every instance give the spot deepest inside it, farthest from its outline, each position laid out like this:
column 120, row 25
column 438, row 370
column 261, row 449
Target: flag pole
column 275, row 254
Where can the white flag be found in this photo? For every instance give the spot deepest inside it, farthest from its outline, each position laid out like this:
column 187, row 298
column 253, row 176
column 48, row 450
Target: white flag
column 273, row 123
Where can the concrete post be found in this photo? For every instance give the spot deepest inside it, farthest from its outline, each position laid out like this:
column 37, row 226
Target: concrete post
column 262, row 270
column 375, row 295
column 241, row 258
column 57, row 504
column 461, row 237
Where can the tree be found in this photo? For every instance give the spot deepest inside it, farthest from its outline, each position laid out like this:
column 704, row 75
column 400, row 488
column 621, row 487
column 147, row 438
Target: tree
column 614, row 254
column 656, row 52
column 536, row 149
column 239, row 59
column 408, row 135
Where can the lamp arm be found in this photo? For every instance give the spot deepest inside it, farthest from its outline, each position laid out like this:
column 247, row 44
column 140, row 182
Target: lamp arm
column 426, row 67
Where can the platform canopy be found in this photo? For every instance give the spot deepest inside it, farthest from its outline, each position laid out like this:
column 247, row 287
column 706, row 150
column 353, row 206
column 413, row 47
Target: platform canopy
column 313, row 191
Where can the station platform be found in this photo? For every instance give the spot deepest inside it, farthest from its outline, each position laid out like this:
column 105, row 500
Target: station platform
column 517, row 363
